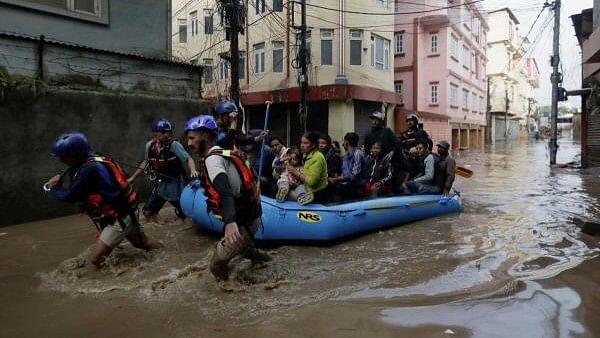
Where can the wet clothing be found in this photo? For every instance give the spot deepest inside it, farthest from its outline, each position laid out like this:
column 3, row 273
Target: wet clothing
column 445, row 172
column 101, row 186
column 164, row 160
column 334, row 163
column 410, row 137
column 230, row 186
column 155, row 203
column 126, row 228
column 225, row 176
column 168, row 188
column 382, row 134
column 315, row 171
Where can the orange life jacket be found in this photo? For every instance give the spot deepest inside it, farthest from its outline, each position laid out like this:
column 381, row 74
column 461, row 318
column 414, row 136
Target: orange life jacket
column 96, row 205
column 163, row 160
column 250, row 195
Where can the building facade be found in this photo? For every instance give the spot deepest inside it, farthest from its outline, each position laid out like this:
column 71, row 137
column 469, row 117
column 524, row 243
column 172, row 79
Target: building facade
column 440, row 67
column 512, row 77
column 114, row 25
column 587, row 30
column 350, row 72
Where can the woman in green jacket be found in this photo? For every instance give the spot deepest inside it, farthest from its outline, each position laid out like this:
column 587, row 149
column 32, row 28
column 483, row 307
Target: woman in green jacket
column 314, row 176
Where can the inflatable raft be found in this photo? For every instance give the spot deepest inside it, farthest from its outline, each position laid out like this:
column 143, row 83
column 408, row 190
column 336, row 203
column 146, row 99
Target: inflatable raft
column 289, row 221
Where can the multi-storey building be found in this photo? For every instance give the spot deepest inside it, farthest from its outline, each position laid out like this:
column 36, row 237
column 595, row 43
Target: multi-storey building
column 350, row 72
column 587, row 31
column 440, row 68
column 512, row 77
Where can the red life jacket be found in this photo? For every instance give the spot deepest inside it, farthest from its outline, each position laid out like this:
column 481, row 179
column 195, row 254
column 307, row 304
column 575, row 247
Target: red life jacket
column 96, row 206
column 163, row 160
column 250, row 196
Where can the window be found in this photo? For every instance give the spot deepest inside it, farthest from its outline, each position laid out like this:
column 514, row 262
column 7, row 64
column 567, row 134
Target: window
column 476, row 28
column 208, row 70
column 277, row 5
column 477, row 67
column 510, row 30
column 433, row 39
column 434, row 94
column 466, row 56
column 398, row 87
column 380, row 50
column 242, row 66
column 482, row 104
column 471, row 61
column 383, row 3
column 396, row 6
column 194, row 23
column 182, row 23
column 223, row 70
column 208, row 21
column 260, row 6
column 326, row 47
column 259, row 58
column 473, row 101
column 399, row 46
column 355, row 47
column 278, row 56
column 465, row 99
column 453, row 95
column 454, row 46
column 89, row 10
column 85, row 6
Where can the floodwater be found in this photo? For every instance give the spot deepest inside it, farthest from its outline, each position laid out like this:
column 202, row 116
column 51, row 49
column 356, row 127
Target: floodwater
column 513, row 264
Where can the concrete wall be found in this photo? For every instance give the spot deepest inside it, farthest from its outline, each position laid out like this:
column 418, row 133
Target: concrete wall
column 133, row 26
column 118, row 125
column 68, row 65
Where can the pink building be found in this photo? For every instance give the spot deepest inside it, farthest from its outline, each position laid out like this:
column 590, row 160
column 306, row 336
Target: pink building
column 439, row 66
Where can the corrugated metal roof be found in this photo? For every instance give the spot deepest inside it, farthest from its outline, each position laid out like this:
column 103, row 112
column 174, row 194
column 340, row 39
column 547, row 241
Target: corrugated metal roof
column 47, row 40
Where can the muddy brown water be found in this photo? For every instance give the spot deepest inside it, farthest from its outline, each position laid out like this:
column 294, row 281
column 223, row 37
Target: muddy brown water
column 513, row 264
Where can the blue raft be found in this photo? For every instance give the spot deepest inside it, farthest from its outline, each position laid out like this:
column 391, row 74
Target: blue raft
column 289, row 221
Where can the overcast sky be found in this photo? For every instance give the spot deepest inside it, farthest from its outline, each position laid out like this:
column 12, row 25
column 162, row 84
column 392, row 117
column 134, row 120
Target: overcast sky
column 526, row 11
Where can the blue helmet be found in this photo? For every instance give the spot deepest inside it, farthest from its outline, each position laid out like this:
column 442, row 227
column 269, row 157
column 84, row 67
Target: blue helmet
column 161, row 124
column 225, row 107
column 201, row 122
column 73, row 144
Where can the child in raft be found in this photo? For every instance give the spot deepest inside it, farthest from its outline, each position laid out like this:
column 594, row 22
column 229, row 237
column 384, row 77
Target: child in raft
column 289, row 187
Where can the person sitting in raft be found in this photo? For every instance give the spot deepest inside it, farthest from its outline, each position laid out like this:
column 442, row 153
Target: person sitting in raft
column 289, row 185
column 166, row 157
column 314, row 175
column 101, row 186
column 281, row 156
column 334, row 160
column 444, row 171
column 379, row 171
column 350, row 185
column 425, row 182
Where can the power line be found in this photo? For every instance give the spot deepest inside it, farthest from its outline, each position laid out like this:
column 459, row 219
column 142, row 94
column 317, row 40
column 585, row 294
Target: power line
column 393, row 13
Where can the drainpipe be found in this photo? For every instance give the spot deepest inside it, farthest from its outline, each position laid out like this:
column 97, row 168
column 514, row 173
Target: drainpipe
column 341, row 77
column 40, row 54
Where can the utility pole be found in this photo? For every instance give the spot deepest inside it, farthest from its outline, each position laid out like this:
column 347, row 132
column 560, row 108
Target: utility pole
column 488, row 114
column 506, row 106
column 233, row 16
column 529, row 99
column 556, row 78
column 303, row 58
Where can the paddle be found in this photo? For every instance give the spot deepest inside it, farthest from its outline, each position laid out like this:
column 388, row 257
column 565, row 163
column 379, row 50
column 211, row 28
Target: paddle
column 464, row 172
column 264, row 140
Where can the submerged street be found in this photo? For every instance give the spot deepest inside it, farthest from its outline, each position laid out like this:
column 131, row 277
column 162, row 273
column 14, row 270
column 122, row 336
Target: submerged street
column 513, row 264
